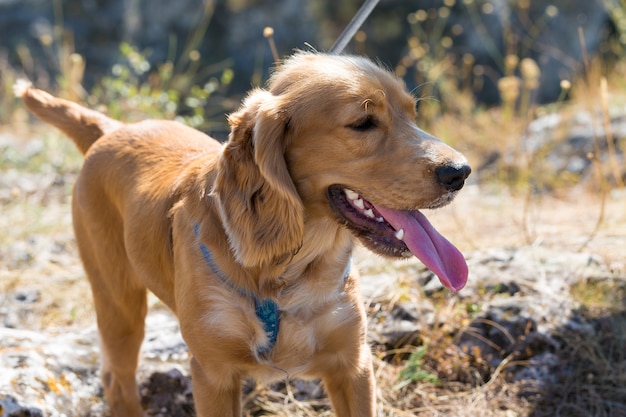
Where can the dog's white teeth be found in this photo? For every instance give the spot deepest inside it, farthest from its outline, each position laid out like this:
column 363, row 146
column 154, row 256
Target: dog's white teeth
column 350, row 194
column 399, row 234
column 359, row 203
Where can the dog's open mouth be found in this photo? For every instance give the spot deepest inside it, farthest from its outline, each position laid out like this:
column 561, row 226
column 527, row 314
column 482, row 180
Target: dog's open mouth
column 399, row 233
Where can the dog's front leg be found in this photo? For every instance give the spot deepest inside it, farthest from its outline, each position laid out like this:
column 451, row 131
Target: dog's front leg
column 352, row 389
column 215, row 394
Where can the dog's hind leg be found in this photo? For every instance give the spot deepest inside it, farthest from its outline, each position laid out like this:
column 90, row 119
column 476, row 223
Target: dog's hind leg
column 121, row 304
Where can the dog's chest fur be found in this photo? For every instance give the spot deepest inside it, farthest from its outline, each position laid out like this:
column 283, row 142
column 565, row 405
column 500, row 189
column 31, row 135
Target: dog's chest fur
column 312, row 315
column 318, row 303
column 304, row 336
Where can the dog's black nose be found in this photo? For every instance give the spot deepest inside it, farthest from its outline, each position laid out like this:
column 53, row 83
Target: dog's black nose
column 452, row 177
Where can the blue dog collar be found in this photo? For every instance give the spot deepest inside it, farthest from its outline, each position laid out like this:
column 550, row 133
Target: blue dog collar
column 266, row 309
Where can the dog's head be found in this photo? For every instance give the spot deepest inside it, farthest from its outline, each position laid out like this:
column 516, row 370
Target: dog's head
column 335, row 136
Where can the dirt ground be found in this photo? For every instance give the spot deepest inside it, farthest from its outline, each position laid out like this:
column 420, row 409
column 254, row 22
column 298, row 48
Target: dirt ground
column 487, row 217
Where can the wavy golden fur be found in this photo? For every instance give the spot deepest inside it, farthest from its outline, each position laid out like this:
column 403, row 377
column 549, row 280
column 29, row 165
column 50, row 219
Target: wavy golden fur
column 150, row 194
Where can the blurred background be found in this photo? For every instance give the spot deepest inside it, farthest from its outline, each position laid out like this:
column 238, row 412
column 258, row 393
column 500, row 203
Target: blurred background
column 442, row 48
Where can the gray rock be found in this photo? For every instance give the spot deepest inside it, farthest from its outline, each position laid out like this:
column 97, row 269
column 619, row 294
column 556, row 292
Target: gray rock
column 564, row 147
column 10, row 407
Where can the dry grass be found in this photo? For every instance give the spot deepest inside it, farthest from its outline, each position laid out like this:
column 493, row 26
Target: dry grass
column 37, row 250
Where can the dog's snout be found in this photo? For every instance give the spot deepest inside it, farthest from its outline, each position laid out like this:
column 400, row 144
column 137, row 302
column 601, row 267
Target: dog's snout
column 453, row 177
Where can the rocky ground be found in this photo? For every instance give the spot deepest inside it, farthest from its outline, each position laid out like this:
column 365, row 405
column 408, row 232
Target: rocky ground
column 540, row 330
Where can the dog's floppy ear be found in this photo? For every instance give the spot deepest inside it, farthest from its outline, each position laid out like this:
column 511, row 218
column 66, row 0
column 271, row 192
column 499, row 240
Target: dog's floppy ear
column 261, row 210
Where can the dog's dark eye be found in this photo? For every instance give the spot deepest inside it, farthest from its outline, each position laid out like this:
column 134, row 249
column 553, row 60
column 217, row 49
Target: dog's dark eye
column 364, row 124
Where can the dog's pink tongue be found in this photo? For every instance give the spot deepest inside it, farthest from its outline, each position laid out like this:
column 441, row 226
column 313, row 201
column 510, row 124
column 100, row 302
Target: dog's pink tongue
column 430, row 247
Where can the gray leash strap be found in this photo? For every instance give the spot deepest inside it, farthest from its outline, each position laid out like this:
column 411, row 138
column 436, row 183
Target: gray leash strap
column 353, row 26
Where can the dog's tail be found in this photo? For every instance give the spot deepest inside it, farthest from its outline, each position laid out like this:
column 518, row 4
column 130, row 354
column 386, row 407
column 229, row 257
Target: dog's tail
column 83, row 125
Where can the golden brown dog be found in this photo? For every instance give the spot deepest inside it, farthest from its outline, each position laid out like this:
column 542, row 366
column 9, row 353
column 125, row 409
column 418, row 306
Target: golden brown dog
column 249, row 243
